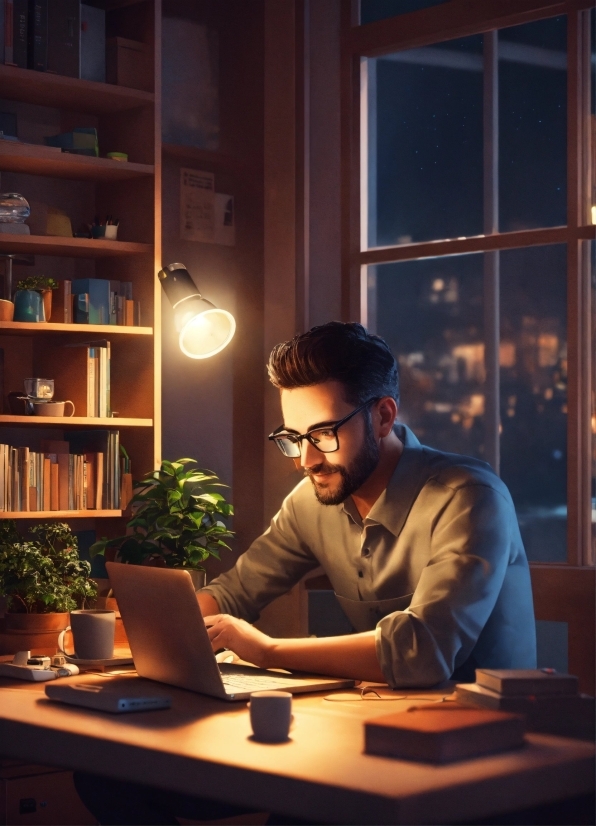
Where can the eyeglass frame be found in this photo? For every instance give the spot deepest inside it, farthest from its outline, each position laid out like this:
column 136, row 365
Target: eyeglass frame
column 333, row 426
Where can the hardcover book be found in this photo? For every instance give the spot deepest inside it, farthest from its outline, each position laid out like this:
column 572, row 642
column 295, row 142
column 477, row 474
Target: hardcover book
column 442, row 735
column 37, row 57
column 527, row 681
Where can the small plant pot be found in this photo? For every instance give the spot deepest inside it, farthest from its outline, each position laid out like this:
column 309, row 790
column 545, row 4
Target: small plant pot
column 28, row 306
column 199, row 578
column 47, row 303
column 6, row 310
column 28, row 632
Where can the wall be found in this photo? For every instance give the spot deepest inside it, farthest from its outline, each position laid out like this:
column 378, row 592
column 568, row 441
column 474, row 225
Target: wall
column 279, row 95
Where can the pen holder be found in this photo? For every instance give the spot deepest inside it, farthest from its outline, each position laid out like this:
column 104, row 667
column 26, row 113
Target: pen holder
column 111, row 232
column 98, row 231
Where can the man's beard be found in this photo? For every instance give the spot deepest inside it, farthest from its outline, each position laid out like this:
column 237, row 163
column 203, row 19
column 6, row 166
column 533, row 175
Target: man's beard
column 353, row 476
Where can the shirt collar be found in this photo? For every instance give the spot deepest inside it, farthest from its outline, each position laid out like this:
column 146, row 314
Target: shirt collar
column 393, row 505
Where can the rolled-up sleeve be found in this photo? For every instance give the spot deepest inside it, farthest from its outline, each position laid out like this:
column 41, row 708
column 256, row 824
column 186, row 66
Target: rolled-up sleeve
column 456, row 593
column 275, row 562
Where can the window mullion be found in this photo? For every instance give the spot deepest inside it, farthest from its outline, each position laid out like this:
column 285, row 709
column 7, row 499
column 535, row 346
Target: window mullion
column 491, row 259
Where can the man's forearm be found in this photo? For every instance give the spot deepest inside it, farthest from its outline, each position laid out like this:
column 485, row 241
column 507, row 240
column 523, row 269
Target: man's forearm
column 353, row 655
column 207, row 604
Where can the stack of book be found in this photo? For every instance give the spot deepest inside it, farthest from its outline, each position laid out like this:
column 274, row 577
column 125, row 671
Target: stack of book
column 82, row 473
column 96, row 301
column 550, row 700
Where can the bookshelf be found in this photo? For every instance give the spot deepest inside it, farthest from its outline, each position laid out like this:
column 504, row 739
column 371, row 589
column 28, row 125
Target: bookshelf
column 127, row 120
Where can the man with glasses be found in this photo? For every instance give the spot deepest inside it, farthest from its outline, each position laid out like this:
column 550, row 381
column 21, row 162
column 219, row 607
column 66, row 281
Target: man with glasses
column 422, row 547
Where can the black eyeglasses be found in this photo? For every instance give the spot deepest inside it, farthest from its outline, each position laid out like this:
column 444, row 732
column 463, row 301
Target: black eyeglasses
column 324, row 439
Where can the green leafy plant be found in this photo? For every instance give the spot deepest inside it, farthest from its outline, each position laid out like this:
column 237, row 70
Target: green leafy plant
column 39, row 283
column 43, row 574
column 175, row 521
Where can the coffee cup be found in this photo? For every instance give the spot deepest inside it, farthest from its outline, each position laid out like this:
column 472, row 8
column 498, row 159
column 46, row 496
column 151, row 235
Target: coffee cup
column 270, row 715
column 53, row 408
column 92, row 633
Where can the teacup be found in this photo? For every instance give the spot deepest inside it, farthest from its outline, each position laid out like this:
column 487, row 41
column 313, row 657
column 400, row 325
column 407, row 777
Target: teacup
column 270, row 715
column 54, row 408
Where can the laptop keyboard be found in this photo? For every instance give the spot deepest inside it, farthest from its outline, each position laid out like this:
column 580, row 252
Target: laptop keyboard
column 256, row 682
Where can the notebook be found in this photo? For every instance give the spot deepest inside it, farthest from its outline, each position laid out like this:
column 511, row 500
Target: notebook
column 169, row 641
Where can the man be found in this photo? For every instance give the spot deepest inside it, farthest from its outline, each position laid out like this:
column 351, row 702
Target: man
column 422, row 548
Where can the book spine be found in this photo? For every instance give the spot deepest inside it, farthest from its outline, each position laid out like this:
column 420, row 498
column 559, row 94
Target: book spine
column 38, row 35
column 130, row 313
column 108, row 379
column 99, row 482
column 63, row 463
column 20, row 34
column 54, row 487
column 91, row 382
column 103, row 382
column 67, row 302
column 85, row 468
column 9, row 32
column 2, row 32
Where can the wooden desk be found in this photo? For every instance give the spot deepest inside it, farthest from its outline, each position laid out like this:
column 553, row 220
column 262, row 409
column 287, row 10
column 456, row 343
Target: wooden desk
column 202, row 746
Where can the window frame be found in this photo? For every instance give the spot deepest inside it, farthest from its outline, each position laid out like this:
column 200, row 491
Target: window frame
column 448, row 21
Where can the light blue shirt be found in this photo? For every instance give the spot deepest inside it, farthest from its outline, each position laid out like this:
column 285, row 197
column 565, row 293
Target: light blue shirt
column 437, row 568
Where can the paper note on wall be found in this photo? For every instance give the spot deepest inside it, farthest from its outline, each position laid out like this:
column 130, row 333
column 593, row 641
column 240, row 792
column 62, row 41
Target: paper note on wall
column 197, row 205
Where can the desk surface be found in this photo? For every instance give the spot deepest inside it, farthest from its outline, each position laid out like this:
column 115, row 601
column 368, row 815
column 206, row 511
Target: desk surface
column 202, row 746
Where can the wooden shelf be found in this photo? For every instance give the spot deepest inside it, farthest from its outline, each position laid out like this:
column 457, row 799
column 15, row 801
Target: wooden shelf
column 40, row 160
column 74, row 421
column 57, row 514
column 70, row 247
column 46, row 89
column 25, row 328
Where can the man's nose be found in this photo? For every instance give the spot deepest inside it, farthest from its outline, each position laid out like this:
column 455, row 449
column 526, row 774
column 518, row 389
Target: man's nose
column 309, row 455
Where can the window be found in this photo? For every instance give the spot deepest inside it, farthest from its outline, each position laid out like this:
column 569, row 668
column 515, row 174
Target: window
column 469, row 244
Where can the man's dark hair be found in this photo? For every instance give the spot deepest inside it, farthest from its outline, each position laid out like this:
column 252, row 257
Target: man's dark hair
column 337, row 351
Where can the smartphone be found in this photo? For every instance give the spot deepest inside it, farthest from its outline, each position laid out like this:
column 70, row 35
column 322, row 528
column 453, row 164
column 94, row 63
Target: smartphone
column 105, row 698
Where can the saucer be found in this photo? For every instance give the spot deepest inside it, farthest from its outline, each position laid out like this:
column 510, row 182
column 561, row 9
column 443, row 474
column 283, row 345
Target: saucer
column 110, row 662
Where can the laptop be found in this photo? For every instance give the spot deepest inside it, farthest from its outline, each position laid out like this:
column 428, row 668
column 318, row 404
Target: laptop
column 169, row 641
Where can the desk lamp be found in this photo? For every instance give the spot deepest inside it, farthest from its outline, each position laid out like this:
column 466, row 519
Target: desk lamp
column 204, row 329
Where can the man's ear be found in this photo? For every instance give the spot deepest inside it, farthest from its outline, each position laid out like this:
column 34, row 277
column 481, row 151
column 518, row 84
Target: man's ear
column 387, row 412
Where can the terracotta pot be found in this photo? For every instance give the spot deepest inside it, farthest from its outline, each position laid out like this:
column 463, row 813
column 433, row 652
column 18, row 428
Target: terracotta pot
column 6, row 310
column 47, row 303
column 31, row 632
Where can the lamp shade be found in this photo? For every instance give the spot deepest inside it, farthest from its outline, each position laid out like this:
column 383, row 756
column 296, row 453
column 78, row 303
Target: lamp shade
column 204, row 330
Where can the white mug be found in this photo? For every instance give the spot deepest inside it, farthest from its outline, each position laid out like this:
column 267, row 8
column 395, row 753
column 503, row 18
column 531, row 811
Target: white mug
column 92, row 632
column 270, row 715
column 52, row 408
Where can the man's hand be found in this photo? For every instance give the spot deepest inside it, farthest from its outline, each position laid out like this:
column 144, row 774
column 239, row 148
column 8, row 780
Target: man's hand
column 240, row 637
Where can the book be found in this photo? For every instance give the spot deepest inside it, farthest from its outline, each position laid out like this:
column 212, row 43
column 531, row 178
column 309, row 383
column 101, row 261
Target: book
column 93, row 43
column 130, row 313
column 47, row 484
column 442, row 735
column 64, row 30
column 54, row 495
column 2, row 35
column 16, row 14
column 62, row 303
column 527, row 681
column 98, row 290
column 567, row 715
column 37, row 54
column 63, row 482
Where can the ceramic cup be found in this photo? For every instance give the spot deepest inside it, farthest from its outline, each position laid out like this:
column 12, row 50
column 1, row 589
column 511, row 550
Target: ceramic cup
column 111, row 232
column 270, row 715
column 52, row 408
column 28, row 306
column 92, row 633
column 6, row 310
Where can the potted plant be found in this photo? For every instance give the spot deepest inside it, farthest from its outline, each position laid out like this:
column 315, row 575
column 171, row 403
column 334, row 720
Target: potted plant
column 42, row 579
column 43, row 285
column 176, row 521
